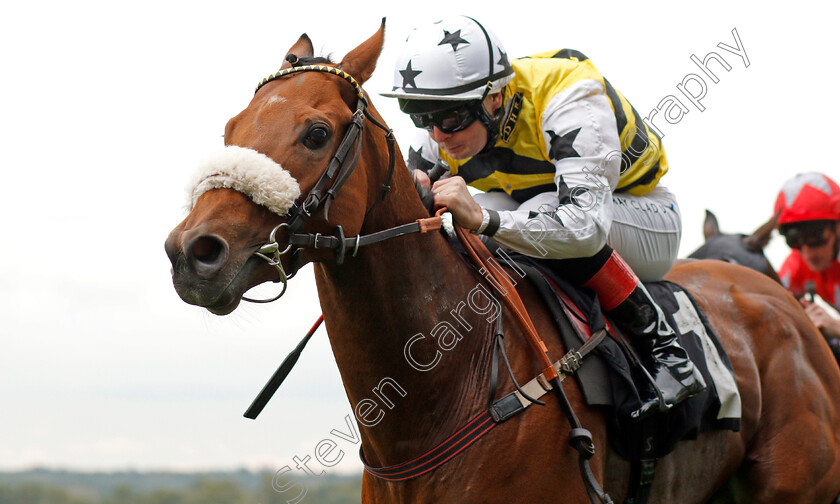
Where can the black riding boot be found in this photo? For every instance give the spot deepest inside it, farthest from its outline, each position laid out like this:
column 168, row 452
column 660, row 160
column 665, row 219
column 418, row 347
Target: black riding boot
column 674, row 375
column 623, row 295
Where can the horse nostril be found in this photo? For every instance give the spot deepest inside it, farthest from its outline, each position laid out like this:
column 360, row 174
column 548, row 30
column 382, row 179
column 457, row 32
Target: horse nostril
column 206, row 249
column 207, row 254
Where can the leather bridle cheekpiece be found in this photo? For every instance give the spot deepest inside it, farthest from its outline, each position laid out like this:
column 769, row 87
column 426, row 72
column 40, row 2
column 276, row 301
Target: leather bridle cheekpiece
column 320, row 196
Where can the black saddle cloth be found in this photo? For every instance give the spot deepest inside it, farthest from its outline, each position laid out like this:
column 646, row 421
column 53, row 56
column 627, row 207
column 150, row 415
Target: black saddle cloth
column 658, row 435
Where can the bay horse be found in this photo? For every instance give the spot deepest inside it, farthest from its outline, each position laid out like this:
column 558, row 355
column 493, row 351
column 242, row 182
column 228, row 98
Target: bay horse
column 414, row 288
column 746, row 250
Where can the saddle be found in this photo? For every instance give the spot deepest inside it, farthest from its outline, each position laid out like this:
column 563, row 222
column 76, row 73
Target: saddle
column 612, row 379
column 611, row 376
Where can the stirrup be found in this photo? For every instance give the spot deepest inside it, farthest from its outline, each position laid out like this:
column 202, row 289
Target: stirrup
column 662, row 403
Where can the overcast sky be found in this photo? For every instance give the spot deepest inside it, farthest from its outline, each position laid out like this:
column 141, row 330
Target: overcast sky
column 107, row 107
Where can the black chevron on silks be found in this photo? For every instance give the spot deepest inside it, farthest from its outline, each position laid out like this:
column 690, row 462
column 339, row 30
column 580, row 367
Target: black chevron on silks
column 504, row 160
column 645, row 179
column 569, row 54
column 639, row 142
column 620, row 116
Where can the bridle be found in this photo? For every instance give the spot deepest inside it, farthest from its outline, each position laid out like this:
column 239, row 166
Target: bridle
column 326, row 189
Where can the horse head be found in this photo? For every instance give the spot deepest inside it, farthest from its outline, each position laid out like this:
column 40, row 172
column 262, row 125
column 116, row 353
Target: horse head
column 746, row 250
column 291, row 165
column 310, row 173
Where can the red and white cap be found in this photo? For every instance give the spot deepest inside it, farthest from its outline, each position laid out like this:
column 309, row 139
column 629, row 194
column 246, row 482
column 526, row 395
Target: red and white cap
column 808, row 197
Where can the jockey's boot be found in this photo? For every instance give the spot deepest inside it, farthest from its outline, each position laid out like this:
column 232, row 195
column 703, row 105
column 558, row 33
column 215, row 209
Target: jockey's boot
column 626, row 299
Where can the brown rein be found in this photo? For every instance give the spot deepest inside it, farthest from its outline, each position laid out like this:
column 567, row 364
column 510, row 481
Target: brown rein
column 579, row 438
column 481, row 257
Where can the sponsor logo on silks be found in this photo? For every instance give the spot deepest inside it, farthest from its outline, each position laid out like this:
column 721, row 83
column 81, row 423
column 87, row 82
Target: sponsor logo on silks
column 509, row 122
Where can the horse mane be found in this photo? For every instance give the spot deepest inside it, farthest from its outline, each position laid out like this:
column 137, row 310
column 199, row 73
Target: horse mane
column 426, row 196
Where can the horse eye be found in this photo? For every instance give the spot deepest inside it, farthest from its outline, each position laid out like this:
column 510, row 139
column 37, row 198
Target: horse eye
column 316, row 137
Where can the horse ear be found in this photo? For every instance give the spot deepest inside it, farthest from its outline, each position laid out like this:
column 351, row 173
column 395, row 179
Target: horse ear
column 761, row 236
column 710, row 226
column 301, row 48
column 361, row 61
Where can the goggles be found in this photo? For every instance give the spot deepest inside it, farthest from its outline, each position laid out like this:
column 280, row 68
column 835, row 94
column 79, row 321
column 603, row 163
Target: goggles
column 812, row 235
column 448, row 121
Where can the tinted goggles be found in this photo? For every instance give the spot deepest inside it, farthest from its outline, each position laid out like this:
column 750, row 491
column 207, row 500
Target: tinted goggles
column 814, row 235
column 449, row 120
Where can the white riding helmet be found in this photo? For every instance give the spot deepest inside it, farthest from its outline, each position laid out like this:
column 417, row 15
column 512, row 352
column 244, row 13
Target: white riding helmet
column 451, row 59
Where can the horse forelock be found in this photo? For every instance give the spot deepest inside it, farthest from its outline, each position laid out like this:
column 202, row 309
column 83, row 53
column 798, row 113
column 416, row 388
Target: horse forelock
column 315, row 60
column 426, row 196
column 247, row 171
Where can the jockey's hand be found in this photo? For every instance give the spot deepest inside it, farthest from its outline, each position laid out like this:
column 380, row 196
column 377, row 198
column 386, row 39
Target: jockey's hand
column 453, row 194
column 828, row 325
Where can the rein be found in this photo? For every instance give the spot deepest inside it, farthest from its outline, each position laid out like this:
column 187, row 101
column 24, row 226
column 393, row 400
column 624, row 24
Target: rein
column 553, row 372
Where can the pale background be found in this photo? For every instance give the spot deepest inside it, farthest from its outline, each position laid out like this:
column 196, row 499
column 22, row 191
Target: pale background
column 106, row 108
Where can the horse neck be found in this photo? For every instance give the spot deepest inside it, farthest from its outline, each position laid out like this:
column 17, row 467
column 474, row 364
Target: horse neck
column 374, row 304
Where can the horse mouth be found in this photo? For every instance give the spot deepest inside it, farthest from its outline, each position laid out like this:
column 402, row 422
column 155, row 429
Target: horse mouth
column 220, row 295
column 224, row 305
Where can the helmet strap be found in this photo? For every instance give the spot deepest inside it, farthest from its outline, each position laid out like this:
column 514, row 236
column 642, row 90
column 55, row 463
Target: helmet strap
column 486, row 92
column 491, row 121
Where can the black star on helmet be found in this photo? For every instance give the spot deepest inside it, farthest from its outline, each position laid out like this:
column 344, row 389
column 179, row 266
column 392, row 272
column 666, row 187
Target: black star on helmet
column 503, row 60
column 408, row 75
column 453, row 39
column 561, row 146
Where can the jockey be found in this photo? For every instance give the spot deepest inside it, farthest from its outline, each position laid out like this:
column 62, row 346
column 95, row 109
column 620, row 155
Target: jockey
column 568, row 169
column 808, row 210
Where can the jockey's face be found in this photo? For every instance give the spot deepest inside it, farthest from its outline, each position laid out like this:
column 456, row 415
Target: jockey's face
column 462, row 144
column 818, row 258
column 470, row 141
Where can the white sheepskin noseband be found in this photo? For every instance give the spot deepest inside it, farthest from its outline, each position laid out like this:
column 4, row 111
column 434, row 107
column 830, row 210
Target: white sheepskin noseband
column 245, row 170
